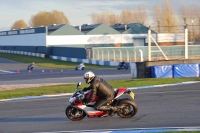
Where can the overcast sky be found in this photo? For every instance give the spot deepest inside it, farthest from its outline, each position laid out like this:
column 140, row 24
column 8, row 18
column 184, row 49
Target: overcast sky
column 78, row 12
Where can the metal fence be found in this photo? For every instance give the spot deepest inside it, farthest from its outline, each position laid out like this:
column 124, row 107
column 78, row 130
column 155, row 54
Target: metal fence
column 189, row 50
column 140, row 53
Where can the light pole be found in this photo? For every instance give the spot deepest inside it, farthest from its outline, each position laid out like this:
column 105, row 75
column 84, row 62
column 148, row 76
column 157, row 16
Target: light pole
column 158, row 26
column 199, row 26
column 184, row 19
column 192, row 20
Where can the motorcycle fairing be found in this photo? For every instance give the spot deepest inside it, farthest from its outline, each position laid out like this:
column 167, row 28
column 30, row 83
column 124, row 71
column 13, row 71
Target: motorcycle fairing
column 79, row 67
column 120, row 92
column 90, row 111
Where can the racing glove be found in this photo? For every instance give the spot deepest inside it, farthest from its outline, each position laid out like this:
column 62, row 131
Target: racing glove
column 85, row 89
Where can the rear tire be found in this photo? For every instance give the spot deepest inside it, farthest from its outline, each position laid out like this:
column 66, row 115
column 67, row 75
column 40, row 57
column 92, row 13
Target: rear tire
column 74, row 114
column 129, row 109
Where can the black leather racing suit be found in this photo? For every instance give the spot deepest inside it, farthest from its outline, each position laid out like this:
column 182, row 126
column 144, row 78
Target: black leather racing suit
column 100, row 87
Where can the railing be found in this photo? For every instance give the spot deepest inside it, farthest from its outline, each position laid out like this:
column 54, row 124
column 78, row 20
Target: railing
column 140, row 53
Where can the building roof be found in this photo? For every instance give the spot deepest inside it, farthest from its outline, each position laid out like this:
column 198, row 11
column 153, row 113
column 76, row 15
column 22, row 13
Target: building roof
column 103, row 29
column 137, row 28
column 85, row 28
column 66, row 30
column 132, row 28
column 122, row 27
column 53, row 27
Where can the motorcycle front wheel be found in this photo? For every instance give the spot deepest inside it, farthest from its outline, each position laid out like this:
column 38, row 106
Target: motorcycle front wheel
column 129, row 108
column 74, row 114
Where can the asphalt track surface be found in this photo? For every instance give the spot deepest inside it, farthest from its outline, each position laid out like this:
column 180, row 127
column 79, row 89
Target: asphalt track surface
column 169, row 106
column 42, row 75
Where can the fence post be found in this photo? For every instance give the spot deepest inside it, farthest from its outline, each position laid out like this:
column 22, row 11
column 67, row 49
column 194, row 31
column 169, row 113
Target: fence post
column 149, row 43
column 108, row 54
column 127, row 55
column 120, row 54
column 134, row 55
column 141, row 55
column 186, row 42
column 113, row 54
column 93, row 54
column 98, row 53
column 102, row 54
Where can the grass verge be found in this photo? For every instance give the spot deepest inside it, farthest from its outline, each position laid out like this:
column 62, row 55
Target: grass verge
column 47, row 62
column 68, row 88
column 183, row 132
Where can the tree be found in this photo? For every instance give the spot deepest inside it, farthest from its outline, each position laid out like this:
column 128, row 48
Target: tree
column 141, row 14
column 167, row 16
column 191, row 16
column 44, row 18
column 104, row 17
column 113, row 18
column 127, row 16
column 157, row 15
column 185, row 13
column 19, row 24
column 100, row 17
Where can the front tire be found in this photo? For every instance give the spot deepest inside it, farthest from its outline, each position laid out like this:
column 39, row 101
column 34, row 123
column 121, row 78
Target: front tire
column 129, row 108
column 118, row 68
column 74, row 114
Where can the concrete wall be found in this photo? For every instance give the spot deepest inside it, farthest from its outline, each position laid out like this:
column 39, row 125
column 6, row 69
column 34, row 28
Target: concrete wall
column 69, row 52
column 29, row 40
column 24, row 40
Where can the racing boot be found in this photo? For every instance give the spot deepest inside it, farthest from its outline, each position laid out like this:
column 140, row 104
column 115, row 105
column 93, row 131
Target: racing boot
column 112, row 111
column 109, row 108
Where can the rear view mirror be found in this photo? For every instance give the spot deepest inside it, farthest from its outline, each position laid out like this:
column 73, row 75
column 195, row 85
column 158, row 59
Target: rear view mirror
column 79, row 83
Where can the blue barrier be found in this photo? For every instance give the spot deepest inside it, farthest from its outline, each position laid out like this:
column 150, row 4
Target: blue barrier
column 185, row 70
column 162, row 71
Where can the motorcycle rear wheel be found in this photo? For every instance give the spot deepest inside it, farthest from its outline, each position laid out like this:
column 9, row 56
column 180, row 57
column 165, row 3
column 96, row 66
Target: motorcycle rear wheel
column 74, row 114
column 129, row 108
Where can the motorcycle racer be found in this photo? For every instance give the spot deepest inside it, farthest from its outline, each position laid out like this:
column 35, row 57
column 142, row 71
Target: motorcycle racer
column 100, row 87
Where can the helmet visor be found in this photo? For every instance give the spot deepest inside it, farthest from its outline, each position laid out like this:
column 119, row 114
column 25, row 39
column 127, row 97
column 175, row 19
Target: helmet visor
column 86, row 79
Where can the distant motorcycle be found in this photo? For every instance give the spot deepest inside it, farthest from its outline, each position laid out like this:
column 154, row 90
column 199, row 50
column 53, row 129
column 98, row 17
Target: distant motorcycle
column 77, row 110
column 31, row 66
column 122, row 66
column 80, row 67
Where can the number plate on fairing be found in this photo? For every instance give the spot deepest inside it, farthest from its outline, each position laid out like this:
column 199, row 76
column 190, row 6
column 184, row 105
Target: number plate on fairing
column 131, row 94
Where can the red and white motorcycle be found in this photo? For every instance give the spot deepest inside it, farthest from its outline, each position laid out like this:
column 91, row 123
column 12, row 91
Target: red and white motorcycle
column 77, row 110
